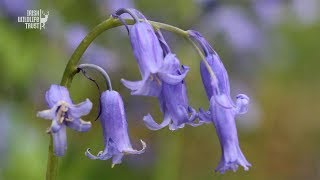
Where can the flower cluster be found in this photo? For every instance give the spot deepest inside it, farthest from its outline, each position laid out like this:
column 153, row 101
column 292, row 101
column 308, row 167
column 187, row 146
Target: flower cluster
column 162, row 76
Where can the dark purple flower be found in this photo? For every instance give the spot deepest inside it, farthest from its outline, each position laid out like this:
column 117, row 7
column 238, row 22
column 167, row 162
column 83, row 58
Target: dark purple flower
column 222, row 110
column 64, row 113
column 115, row 130
column 173, row 99
column 149, row 55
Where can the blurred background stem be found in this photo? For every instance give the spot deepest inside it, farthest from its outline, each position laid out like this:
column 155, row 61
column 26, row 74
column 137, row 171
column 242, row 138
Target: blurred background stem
column 169, row 156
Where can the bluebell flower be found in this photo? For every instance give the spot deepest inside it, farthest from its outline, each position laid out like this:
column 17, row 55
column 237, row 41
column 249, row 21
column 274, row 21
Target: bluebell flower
column 222, row 110
column 149, row 55
column 64, row 113
column 115, row 130
column 173, row 99
column 162, row 75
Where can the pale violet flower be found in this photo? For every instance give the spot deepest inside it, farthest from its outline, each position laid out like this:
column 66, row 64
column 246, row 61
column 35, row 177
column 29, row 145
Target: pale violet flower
column 115, row 130
column 149, row 55
column 162, row 75
column 63, row 113
column 222, row 110
column 173, row 99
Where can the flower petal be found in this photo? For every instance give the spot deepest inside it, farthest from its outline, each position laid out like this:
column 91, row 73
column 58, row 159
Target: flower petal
column 150, row 86
column 170, row 64
column 173, row 79
column 193, row 114
column 115, row 130
column 46, row 114
column 55, row 126
column 49, row 114
column 132, row 85
column 133, row 151
column 152, row 125
column 146, row 47
column 89, row 155
column 117, row 159
column 174, row 127
column 60, row 141
column 224, row 101
column 225, row 125
column 79, row 125
column 109, row 150
column 102, row 155
column 57, row 93
column 205, row 116
column 242, row 104
column 81, row 109
column 193, row 117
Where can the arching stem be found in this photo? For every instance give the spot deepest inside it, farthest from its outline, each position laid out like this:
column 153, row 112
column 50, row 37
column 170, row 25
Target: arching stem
column 102, row 71
column 71, row 68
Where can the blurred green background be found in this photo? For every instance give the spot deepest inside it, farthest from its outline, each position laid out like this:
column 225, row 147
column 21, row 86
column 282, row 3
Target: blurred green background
column 269, row 48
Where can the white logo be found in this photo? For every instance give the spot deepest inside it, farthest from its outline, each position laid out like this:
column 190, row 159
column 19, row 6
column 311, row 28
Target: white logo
column 35, row 19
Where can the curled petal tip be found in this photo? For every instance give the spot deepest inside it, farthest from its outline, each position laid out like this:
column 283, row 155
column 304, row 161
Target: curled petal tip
column 132, row 151
column 132, row 85
column 246, row 168
column 174, row 127
column 186, row 68
column 173, row 79
column 144, row 145
column 152, row 125
column 242, row 103
column 89, row 155
column 204, row 116
column 193, row 112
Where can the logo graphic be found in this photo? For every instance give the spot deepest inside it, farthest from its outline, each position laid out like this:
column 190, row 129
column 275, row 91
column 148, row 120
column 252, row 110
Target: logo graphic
column 35, row 19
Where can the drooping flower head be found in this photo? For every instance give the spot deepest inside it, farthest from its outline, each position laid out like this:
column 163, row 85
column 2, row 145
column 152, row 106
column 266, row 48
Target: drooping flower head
column 162, row 75
column 173, row 98
column 115, row 130
column 222, row 110
column 64, row 113
column 149, row 56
